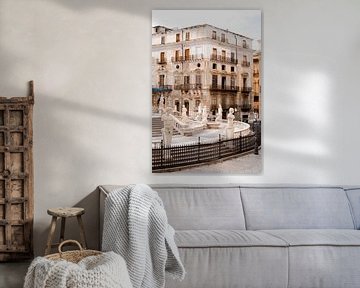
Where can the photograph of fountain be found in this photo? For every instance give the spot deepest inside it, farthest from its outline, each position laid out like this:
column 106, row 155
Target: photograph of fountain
column 206, row 91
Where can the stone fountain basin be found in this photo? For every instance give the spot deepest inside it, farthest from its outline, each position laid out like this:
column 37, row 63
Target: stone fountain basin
column 213, row 125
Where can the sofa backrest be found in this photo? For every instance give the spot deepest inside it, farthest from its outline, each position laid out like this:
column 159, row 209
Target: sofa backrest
column 211, row 207
column 202, row 207
column 296, row 208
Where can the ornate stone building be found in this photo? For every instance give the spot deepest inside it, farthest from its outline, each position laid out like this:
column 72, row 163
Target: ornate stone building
column 202, row 64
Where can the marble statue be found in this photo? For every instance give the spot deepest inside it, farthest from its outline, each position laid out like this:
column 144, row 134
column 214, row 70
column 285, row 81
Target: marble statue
column 167, row 131
column 184, row 116
column 199, row 112
column 230, row 124
column 204, row 115
column 161, row 104
column 219, row 114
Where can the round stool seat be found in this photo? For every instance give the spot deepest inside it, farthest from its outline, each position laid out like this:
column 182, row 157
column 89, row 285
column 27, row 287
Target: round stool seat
column 66, row 211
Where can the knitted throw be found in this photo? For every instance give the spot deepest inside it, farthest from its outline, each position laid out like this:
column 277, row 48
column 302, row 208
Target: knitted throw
column 136, row 227
column 103, row 271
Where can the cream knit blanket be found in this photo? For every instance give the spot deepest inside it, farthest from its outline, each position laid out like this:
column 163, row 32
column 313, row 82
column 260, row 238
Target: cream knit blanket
column 136, row 227
column 102, row 271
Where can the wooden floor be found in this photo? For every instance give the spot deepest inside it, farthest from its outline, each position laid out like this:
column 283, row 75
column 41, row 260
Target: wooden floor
column 12, row 274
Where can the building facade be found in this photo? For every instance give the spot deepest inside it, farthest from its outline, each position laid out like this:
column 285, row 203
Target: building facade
column 203, row 65
column 257, row 82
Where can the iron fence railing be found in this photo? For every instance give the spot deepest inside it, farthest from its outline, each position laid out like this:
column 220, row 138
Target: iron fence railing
column 177, row 156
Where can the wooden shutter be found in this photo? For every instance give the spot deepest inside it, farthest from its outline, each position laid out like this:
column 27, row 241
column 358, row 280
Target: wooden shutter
column 16, row 177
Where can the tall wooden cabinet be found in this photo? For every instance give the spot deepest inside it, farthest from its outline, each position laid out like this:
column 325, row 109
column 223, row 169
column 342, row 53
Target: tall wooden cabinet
column 16, row 177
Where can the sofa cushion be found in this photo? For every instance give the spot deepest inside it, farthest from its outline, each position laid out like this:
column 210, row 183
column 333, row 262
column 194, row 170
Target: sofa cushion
column 225, row 267
column 296, row 208
column 324, row 266
column 206, row 208
column 317, row 237
column 226, row 238
column 322, row 258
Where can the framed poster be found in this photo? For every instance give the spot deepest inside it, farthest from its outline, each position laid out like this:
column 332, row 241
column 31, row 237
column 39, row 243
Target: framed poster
column 206, row 91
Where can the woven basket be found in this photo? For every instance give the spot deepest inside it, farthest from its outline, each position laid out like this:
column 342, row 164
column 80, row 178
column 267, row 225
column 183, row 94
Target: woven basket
column 72, row 256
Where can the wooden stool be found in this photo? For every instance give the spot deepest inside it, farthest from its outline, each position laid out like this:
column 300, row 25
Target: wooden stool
column 64, row 213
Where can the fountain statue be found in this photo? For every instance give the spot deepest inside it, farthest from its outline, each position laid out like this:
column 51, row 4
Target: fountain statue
column 184, row 116
column 230, row 124
column 161, row 104
column 167, row 131
column 198, row 114
column 215, row 124
column 204, row 115
column 219, row 114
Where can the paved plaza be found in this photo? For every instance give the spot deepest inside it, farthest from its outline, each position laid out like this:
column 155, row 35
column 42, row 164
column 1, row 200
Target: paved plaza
column 247, row 164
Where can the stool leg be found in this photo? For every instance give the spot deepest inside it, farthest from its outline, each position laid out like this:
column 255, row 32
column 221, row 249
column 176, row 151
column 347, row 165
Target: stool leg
column 82, row 232
column 62, row 231
column 51, row 235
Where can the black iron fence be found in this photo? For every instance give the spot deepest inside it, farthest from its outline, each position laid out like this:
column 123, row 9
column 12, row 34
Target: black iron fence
column 167, row 158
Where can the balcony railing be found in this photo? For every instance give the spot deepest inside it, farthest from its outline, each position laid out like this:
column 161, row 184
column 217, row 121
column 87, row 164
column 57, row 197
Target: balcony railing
column 161, row 88
column 220, row 39
column 220, row 58
column 216, row 87
column 246, row 89
column 161, row 61
column 245, row 107
column 187, row 58
column 256, row 74
column 245, row 64
column 187, row 87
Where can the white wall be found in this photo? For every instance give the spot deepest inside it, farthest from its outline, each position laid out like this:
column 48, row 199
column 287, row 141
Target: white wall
column 90, row 61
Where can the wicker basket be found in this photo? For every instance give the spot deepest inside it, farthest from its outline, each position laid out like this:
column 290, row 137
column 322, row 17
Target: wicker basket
column 72, row 256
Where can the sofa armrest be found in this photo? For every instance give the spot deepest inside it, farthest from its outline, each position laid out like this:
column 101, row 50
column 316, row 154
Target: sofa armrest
column 103, row 195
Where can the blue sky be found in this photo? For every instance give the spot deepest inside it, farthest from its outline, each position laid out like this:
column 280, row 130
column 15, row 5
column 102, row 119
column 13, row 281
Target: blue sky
column 244, row 22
